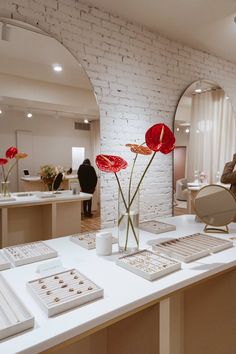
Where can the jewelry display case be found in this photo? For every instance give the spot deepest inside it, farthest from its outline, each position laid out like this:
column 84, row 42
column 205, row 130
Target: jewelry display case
column 62, row 291
column 29, row 253
column 14, row 317
column 148, row 265
column 192, row 247
column 156, row 227
column 87, row 240
column 4, row 263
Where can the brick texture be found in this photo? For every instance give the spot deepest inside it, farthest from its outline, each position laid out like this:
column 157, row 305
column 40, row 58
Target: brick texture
column 138, row 77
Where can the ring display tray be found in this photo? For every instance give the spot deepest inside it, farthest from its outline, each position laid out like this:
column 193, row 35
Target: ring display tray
column 87, row 240
column 4, row 263
column 14, row 317
column 29, row 253
column 156, row 227
column 62, row 291
column 148, row 264
column 192, row 247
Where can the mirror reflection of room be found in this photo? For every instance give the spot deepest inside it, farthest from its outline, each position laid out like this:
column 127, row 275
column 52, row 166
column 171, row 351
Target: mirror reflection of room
column 205, row 129
column 48, row 111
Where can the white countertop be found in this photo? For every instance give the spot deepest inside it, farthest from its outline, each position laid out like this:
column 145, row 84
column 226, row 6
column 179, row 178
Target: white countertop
column 38, row 178
column 123, row 290
column 31, row 198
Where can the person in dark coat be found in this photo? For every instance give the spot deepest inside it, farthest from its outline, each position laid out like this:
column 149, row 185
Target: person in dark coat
column 88, row 180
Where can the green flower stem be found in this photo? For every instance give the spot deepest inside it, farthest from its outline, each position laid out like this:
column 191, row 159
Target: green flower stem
column 130, row 180
column 9, row 171
column 3, row 174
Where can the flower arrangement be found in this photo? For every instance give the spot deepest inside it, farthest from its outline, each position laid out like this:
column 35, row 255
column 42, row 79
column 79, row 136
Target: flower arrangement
column 158, row 138
column 48, row 174
column 10, row 154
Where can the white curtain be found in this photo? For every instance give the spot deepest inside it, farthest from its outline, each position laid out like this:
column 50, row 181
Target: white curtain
column 212, row 135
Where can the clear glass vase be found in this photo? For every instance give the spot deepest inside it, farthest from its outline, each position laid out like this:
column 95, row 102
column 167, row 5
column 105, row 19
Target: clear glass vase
column 5, row 189
column 128, row 222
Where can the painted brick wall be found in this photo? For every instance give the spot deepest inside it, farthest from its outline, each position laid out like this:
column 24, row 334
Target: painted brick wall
column 138, row 77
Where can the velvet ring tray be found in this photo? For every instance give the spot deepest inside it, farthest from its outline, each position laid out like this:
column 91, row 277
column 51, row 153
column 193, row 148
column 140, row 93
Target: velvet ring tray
column 62, row 291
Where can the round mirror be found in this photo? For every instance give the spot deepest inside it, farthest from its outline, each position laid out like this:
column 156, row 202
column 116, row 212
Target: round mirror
column 205, row 130
column 216, row 207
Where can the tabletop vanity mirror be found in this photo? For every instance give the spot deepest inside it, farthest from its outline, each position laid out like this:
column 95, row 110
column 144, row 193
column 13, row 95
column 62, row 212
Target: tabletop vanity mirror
column 215, row 205
column 49, row 111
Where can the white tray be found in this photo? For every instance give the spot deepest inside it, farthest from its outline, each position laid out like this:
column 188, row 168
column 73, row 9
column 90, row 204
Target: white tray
column 29, row 253
column 14, row 317
column 192, row 247
column 62, row 291
column 4, row 263
column 148, row 264
column 87, row 240
column 156, row 227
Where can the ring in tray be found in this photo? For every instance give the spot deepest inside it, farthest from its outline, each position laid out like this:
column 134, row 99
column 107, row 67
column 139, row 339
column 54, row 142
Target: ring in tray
column 29, row 253
column 148, row 264
column 14, row 317
column 192, row 247
column 62, row 291
column 87, row 240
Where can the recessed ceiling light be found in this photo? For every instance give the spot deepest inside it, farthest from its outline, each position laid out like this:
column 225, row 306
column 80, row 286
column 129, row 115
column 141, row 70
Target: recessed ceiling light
column 0, row 111
column 198, row 90
column 57, row 67
column 177, row 129
column 187, row 130
column 86, row 121
column 227, row 97
column 29, row 115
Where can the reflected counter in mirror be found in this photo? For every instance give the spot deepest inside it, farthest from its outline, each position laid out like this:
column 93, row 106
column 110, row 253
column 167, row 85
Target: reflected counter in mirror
column 215, row 205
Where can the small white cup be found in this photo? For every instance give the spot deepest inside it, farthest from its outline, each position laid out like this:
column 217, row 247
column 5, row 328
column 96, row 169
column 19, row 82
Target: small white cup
column 104, row 243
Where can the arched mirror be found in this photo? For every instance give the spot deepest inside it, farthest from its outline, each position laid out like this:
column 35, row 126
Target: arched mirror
column 47, row 108
column 205, row 130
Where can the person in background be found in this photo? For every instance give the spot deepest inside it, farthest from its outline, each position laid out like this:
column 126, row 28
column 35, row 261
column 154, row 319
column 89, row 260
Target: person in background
column 88, row 180
column 229, row 175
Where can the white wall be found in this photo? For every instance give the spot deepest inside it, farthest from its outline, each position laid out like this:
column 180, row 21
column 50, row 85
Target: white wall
column 138, row 77
column 52, row 140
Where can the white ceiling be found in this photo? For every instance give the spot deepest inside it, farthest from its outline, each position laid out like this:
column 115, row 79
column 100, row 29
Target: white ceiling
column 207, row 25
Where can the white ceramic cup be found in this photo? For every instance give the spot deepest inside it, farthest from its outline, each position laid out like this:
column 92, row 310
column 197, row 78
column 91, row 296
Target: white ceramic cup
column 104, row 243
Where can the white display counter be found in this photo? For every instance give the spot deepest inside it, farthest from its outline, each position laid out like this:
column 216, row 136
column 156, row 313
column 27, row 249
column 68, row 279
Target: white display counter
column 34, row 183
column 39, row 215
column 125, row 294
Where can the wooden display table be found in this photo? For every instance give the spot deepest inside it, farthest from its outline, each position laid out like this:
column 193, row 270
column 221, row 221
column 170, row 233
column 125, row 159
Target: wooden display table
column 32, row 217
column 190, row 311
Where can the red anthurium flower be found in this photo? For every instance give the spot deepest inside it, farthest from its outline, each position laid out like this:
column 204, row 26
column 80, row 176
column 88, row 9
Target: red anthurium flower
column 110, row 163
column 160, row 138
column 3, row 161
column 11, row 152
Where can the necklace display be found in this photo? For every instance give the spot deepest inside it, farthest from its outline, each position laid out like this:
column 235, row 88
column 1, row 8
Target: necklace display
column 192, row 247
column 14, row 317
column 148, row 264
column 87, row 240
column 29, row 253
column 62, row 291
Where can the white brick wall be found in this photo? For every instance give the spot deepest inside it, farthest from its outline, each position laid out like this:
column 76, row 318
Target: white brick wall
column 138, row 78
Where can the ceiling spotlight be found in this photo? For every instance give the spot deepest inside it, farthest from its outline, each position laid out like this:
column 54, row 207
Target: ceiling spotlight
column 86, row 121
column 57, row 67
column 227, row 97
column 198, row 88
column 187, row 130
column 0, row 111
column 177, row 129
column 29, row 115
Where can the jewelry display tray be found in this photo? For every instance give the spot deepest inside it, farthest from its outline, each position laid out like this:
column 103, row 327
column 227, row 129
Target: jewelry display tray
column 14, row 317
column 29, row 253
column 4, row 262
column 87, row 240
column 156, row 227
column 192, row 247
column 165, row 264
column 54, row 294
